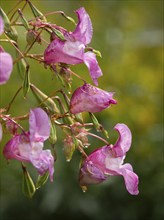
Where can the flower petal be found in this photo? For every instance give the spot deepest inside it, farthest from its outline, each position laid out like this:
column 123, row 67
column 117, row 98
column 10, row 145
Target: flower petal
column 39, row 125
column 84, row 30
column 18, row 148
column 67, row 52
column 1, row 25
column 5, row 67
column 92, row 64
column 130, row 178
column 88, row 98
column 44, row 162
column 90, row 173
column 124, row 141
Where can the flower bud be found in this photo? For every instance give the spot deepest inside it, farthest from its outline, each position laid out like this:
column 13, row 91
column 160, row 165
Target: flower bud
column 32, row 36
column 69, row 147
column 11, row 127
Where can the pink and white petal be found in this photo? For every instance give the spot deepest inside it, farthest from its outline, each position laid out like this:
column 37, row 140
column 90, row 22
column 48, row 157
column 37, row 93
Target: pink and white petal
column 1, row 25
column 39, row 125
column 6, row 66
column 15, row 149
column 123, row 143
column 84, row 30
column 130, row 178
column 44, row 162
column 92, row 64
column 67, row 52
column 91, row 173
column 88, row 98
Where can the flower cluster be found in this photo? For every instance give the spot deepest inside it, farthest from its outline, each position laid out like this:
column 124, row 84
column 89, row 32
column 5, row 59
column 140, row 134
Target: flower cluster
column 65, row 110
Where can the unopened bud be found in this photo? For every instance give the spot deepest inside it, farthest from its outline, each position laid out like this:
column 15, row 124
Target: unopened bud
column 32, row 36
column 69, row 148
column 11, row 127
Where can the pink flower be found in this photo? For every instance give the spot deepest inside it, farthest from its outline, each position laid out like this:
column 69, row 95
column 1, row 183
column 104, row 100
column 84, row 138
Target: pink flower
column 108, row 161
column 6, row 63
column 71, row 51
column 88, row 98
column 28, row 146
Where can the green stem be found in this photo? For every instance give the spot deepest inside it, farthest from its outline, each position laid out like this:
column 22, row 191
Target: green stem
column 11, row 102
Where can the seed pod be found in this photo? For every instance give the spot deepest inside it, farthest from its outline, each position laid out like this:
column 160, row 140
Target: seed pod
column 44, row 99
column 28, row 186
column 9, row 30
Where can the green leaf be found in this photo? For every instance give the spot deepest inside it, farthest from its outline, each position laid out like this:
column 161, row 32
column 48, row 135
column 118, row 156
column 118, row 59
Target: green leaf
column 28, row 186
column 42, row 180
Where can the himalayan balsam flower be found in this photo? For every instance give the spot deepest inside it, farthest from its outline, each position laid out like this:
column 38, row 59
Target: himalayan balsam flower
column 71, row 51
column 28, row 146
column 88, row 98
column 108, row 161
column 6, row 63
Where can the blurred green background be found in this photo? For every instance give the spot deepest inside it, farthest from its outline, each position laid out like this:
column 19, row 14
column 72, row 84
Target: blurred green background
column 129, row 35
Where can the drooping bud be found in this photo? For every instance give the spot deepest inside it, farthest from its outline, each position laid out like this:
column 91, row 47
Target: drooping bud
column 69, row 147
column 11, row 127
column 32, row 36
